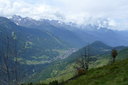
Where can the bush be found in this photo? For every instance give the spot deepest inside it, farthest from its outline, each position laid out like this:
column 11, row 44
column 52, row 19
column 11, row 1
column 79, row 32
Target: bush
column 54, row 83
column 81, row 71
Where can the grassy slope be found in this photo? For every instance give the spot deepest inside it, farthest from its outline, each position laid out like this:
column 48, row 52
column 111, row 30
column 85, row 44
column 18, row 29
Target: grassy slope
column 115, row 74
column 69, row 71
column 102, row 60
column 64, row 70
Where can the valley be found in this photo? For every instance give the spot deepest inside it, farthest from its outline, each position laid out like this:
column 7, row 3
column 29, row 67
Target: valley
column 45, row 51
column 63, row 42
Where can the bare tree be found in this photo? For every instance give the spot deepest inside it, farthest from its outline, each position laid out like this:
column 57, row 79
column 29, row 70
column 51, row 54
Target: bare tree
column 15, row 57
column 83, row 62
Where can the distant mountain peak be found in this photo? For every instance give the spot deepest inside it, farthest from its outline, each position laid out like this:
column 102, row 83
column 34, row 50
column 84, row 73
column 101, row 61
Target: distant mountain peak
column 3, row 19
column 6, row 21
column 99, row 44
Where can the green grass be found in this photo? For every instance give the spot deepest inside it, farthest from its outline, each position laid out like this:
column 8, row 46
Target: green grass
column 114, row 74
column 69, row 71
column 62, row 75
column 123, row 54
column 63, row 70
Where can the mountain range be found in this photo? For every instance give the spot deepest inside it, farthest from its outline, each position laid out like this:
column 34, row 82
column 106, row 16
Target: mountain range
column 75, row 36
column 51, row 46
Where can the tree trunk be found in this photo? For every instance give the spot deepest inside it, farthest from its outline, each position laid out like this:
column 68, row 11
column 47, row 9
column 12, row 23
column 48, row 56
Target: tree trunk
column 113, row 60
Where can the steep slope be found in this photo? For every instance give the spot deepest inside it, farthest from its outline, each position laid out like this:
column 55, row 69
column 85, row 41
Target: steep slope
column 33, row 42
column 76, row 36
column 114, row 74
column 52, row 26
column 92, row 33
column 35, row 49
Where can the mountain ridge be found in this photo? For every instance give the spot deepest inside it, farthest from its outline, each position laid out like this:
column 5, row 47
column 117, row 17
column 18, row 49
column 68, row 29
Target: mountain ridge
column 77, row 37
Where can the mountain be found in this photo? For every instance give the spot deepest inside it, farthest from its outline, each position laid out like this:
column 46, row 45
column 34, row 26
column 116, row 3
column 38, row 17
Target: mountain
column 94, row 49
column 36, row 43
column 76, row 36
column 34, row 49
column 56, row 28
column 94, row 33
column 42, row 45
column 113, row 74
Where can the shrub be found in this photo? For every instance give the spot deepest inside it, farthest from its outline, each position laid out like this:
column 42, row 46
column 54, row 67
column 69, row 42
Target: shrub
column 54, row 83
column 81, row 71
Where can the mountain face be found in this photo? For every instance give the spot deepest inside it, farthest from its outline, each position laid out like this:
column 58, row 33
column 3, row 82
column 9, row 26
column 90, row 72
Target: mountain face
column 60, row 30
column 75, row 36
column 110, row 37
column 34, row 49
column 31, row 42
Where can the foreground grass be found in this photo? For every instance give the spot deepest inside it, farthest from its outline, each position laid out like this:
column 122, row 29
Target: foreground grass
column 114, row 74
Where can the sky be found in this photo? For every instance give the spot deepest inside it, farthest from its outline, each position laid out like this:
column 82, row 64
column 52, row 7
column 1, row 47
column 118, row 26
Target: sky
column 77, row 11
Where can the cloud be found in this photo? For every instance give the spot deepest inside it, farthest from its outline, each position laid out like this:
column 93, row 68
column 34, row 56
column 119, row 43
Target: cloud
column 79, row 11
column 25, row 9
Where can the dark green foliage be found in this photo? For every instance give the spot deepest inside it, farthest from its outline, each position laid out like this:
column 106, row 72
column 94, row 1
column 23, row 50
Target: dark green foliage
column 54, row 83
column 30, row 83
column 34, row 84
